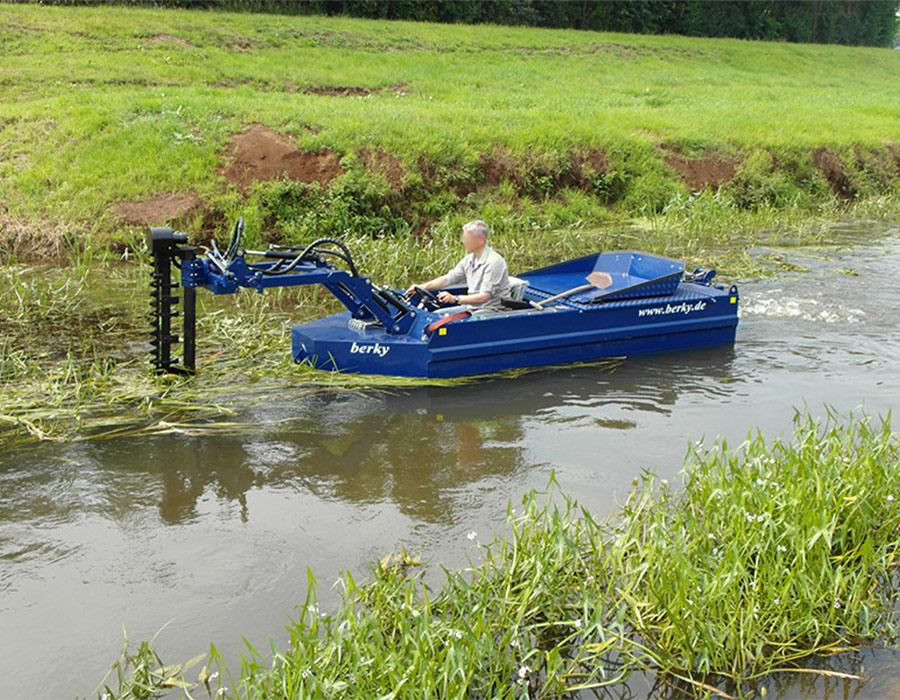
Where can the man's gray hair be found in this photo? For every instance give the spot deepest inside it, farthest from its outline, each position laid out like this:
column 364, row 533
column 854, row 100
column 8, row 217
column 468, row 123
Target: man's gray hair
column 478, row 227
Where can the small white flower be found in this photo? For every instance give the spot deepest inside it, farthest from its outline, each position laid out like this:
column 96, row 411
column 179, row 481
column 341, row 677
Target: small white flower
column 524, row 672
column 837, row 605
column 890, row 497
column 710, row 536
column 782, row 548
column 456, row 633
column 715, row 551
column 222, row 691
column 777, row 601
column 760, row 518
column 305, row 673
column 689, row 601
column 472, row 535
column 213, row 676
column 578, row 624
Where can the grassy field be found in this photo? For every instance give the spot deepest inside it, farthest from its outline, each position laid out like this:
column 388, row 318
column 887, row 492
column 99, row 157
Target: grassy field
column 425, row 124
column 788, row 547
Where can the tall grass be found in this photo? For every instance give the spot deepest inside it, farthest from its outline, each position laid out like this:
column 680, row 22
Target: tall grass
column 769, row 553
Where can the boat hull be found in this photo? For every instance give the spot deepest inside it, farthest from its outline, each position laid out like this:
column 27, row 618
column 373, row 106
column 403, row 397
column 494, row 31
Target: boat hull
column 694, row 316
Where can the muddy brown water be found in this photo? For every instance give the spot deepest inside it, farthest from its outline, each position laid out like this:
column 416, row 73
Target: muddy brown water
column 216, row 533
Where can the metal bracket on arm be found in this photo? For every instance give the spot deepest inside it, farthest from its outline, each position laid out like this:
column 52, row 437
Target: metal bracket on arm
column 700, row 276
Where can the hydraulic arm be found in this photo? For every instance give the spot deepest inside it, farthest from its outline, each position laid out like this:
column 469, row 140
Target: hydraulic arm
column 224, row 272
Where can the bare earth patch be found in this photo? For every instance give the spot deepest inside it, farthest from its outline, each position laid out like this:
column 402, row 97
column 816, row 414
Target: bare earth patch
column 352, row 90
column 500, row 166
column 833, row 170
column 338, row 91
column 588, row 161
column 260, row 154
column 712, row 170
column 380, row 161
column 156, row 210
column 585, row 163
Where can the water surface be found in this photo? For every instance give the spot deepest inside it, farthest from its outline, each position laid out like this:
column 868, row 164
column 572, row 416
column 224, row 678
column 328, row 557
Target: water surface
column 218, row 532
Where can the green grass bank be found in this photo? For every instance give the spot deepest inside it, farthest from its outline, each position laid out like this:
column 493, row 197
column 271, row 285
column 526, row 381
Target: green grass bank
column 771, row 552
column 112, row 118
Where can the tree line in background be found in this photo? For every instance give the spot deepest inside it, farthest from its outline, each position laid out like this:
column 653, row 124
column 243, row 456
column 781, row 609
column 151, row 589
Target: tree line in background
column 870, row 23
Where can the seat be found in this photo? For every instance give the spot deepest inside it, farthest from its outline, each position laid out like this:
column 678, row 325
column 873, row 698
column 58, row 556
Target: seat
column 517, row 289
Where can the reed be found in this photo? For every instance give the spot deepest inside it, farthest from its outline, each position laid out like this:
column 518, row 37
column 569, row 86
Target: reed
column 769, row 554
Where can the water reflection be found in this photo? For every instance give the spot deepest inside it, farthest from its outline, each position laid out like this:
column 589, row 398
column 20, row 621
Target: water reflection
column 416, row 449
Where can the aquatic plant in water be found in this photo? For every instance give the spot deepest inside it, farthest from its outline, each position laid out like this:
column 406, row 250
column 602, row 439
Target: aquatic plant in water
column 769, row 554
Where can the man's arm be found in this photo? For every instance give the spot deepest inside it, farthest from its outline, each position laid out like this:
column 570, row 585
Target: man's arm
column 436, row 283
column 480, row 298
column 449, row 298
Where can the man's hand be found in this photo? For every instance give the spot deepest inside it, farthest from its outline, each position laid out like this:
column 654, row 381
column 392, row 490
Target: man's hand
column 447, row 298
column 410, row 292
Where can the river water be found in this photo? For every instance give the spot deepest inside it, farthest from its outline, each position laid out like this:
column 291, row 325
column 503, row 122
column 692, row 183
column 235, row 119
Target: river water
column 218, row 532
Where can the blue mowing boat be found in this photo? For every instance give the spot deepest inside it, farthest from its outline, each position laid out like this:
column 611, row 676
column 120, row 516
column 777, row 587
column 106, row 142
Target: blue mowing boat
column 605, row 305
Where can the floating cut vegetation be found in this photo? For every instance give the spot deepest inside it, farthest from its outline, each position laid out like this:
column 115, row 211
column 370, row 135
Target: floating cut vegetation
column 771, row 553
column 74, row 362
column 73, row 341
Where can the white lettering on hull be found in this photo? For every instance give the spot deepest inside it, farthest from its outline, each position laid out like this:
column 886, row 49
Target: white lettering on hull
column 682, row 308
column 377, row 349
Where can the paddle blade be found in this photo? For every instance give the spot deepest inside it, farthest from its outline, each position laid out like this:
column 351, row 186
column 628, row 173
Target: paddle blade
column 601, row 280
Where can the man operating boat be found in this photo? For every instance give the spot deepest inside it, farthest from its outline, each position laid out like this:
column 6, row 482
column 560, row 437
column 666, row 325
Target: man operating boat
column 483, row 271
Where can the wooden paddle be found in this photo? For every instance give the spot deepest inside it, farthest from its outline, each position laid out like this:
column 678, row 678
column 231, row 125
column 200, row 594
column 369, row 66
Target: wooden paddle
column 598, row 280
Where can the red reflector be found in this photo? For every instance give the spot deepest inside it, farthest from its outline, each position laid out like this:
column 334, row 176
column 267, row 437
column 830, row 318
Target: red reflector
column 432, row 327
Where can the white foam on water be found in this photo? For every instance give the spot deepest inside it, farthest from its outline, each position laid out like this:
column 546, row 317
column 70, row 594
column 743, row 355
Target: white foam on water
column 775, row 305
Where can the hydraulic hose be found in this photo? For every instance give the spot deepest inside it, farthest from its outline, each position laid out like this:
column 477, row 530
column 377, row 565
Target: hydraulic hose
column 277, row 269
